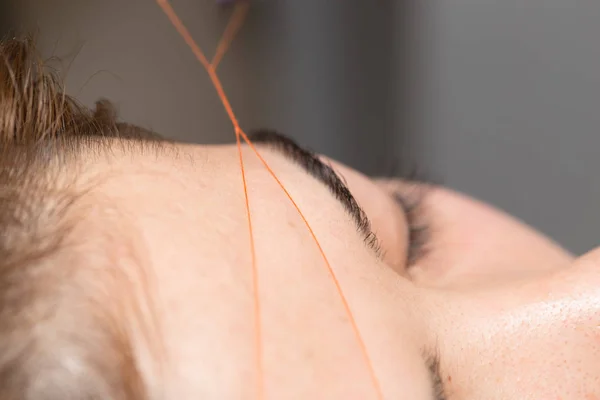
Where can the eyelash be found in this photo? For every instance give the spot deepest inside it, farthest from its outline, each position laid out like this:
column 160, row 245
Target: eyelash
column 410, row 199
column 413, row 186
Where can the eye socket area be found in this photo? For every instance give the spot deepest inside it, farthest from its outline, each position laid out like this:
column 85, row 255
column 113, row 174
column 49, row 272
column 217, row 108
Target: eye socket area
column 389, row 219
column 386, row 220
column 468, row 242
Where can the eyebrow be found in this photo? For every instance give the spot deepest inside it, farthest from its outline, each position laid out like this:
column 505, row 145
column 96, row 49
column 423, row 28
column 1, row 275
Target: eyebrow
column 324, row 173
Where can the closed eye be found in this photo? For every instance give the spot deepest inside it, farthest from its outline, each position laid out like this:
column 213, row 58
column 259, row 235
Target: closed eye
column 408, row 201
column 419, row 231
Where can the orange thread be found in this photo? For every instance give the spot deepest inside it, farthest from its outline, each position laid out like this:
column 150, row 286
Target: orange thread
column 235, row 23
column 336, row 282
column 185, row 34
column 255, row 285
column 210, row 69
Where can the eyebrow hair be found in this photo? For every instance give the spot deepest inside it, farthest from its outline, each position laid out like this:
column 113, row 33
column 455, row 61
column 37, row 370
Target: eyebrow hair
column 324, row 173
column 311, row 163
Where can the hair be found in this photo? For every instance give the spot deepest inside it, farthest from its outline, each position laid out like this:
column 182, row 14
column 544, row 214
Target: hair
column 61, row 337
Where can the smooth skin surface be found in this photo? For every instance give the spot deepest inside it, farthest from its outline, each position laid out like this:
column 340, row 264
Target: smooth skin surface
column 510, row 314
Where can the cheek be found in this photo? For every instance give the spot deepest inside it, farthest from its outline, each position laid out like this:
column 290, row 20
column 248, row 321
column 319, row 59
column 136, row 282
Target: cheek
column 535, row 340
column 520, row 355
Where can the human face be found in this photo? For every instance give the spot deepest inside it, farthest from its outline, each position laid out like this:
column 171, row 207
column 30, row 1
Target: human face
column 476, row 306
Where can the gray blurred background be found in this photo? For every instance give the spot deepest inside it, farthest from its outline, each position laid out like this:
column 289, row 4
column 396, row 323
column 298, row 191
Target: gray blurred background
column 496, row 98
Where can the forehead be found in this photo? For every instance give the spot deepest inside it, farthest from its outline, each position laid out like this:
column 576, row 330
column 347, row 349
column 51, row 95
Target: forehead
column 187, row 214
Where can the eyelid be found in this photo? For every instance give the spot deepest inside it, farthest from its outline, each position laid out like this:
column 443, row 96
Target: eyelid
column 338, row 173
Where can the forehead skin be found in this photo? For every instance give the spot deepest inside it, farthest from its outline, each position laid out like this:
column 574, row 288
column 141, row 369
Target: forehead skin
column 511, row 314
column 188, row 213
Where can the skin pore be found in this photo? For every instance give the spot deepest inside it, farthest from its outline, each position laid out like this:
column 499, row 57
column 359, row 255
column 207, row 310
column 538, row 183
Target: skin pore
column 489, row 309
